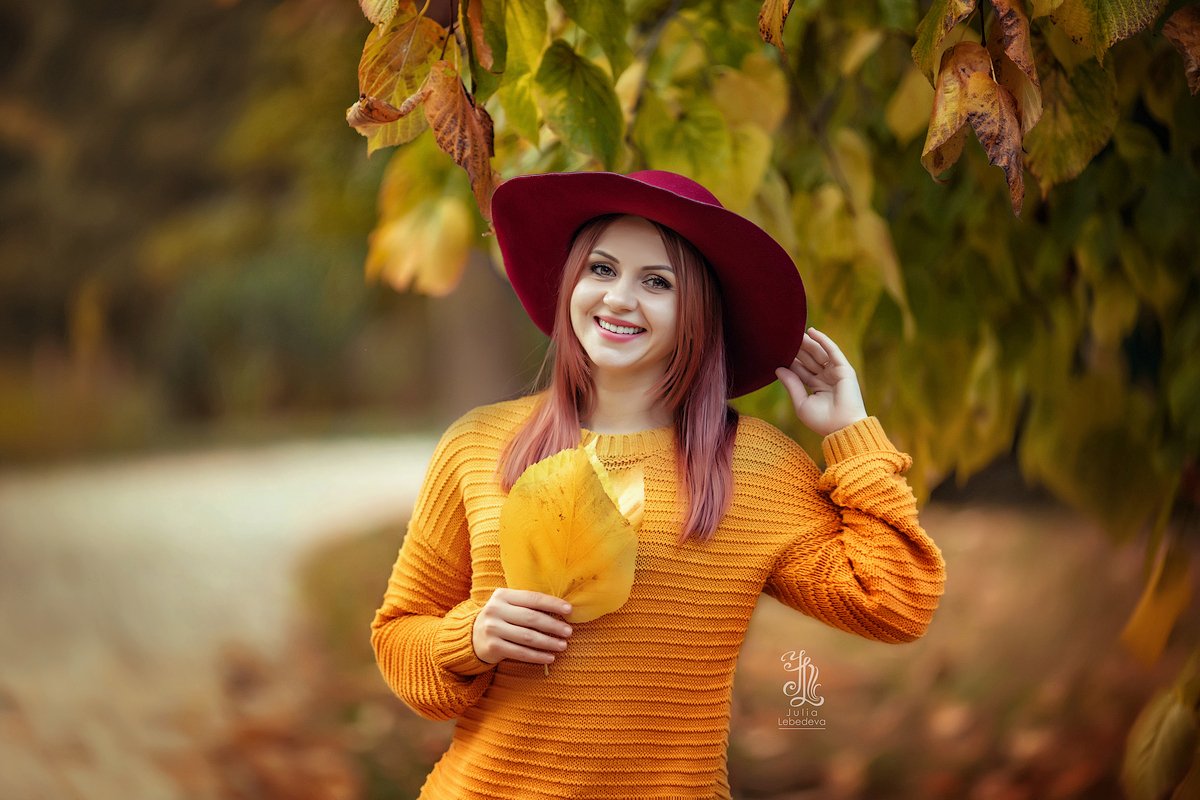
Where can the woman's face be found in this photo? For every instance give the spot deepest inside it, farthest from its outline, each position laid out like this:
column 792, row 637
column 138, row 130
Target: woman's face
column 625, row 306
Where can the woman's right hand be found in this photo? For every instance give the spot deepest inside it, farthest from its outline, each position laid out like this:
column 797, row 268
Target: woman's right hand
column 521, row 625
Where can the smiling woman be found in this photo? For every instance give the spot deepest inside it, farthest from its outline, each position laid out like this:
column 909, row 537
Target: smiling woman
column 661, row 305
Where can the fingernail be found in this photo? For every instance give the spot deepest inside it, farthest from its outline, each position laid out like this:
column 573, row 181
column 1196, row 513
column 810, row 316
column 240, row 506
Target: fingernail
column 567, row 631
column 566, row 609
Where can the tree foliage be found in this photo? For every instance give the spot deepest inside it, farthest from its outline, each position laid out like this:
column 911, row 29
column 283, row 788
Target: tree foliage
column 1059, row 325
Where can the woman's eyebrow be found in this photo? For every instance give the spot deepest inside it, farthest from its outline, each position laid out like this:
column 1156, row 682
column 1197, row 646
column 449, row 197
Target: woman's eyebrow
column 611, row 257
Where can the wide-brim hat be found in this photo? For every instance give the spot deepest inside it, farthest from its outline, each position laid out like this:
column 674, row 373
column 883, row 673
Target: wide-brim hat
column 536, row 217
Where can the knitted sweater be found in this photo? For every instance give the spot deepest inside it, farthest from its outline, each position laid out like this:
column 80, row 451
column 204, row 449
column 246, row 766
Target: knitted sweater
column 638, row 704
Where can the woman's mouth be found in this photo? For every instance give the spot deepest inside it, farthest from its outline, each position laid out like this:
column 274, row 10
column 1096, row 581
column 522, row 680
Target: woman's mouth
column 622, row 331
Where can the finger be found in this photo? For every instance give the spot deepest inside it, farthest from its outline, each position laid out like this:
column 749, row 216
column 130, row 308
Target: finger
column 830, row 346
column 532, row 619
column 537, row 600
column 529, row 638
column 515, row 652
column 794, row 384
column 811, row 356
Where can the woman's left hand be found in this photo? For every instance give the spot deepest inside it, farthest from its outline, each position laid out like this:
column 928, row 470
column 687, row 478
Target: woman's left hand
column 821, row 368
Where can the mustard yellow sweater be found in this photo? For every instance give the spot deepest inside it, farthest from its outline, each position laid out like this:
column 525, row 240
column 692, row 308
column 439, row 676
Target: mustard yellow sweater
column 638, row 704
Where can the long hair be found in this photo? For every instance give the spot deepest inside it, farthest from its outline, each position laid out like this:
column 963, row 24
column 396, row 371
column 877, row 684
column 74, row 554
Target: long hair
column 694, row 387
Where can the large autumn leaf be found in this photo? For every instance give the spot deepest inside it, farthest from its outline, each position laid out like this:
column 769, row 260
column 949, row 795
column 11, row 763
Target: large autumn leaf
column 1183, row 31
column 563, row 534
column 580, row 103
column 1099, row 24
column 967, row 94
column 396, row 60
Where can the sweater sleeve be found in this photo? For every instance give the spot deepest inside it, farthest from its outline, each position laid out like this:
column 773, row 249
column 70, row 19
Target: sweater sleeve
column 422, row 634
column 860, row 560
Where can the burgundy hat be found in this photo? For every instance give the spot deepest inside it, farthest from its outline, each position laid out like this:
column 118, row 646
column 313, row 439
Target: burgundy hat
column 536, row 217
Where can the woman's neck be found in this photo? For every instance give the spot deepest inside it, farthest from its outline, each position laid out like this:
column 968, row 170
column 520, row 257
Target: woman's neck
column 627, row 409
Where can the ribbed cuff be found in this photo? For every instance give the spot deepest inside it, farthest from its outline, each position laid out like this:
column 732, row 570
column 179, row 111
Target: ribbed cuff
column 864, row 436
column 453, row 649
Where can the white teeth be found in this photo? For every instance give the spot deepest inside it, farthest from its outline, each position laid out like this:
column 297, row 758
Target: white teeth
column 618, row 328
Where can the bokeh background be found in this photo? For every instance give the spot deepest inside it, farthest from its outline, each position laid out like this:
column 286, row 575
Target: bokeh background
column 213, row 424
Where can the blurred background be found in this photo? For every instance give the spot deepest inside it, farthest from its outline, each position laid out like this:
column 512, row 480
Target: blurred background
column 215, row 411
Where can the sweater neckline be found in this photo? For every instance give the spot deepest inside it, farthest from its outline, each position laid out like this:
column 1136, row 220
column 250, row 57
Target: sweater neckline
column 626, row 445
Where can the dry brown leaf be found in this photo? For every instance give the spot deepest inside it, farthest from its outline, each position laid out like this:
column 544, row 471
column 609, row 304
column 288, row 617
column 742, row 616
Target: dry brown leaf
column 1183, row 31
column 993, row 116
column 1012, row 53
column 967, row 93
column 462, row 129
column 771, row 18
column 369, row 113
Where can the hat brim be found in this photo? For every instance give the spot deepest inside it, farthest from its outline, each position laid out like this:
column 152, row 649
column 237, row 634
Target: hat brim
column 536, row 216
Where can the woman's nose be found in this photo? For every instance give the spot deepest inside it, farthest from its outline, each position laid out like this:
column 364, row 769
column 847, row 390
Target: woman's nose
column 619, row 296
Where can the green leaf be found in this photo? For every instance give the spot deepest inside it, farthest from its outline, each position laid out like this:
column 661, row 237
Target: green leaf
column 898, row 15
column 1098, row 24
column 691, row 139
column 1079, row 114
column 580, row 103
column 606, row 22
column 932, row 33
column 525, row 32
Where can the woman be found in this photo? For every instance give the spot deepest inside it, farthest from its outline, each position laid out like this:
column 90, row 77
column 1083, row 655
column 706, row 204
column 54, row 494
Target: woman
column 661, row 305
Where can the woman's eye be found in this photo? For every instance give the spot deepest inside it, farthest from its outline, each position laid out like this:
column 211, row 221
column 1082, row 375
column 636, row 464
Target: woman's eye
column 659, row 283
column 599, row 269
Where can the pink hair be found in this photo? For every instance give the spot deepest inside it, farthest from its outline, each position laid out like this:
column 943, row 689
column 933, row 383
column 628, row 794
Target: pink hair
column 694, row 388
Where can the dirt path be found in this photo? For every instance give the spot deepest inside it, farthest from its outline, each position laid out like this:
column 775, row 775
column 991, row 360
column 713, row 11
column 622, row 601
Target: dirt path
column 146, row 615
column 120, row 585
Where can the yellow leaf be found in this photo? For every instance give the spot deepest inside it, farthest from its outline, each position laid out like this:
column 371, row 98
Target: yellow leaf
column 1165, row 597
column 862, row 44
column 944, row 140
column 1099, row 25
column 427, row 247
column 1182, row 29
column 755, row 93
column 396, row 59
column 908, row 111
column 381, row 12
column 562, row 534
column 771, row 19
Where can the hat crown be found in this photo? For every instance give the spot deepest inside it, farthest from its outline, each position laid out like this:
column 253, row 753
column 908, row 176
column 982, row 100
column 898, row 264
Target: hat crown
column 676, row 184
